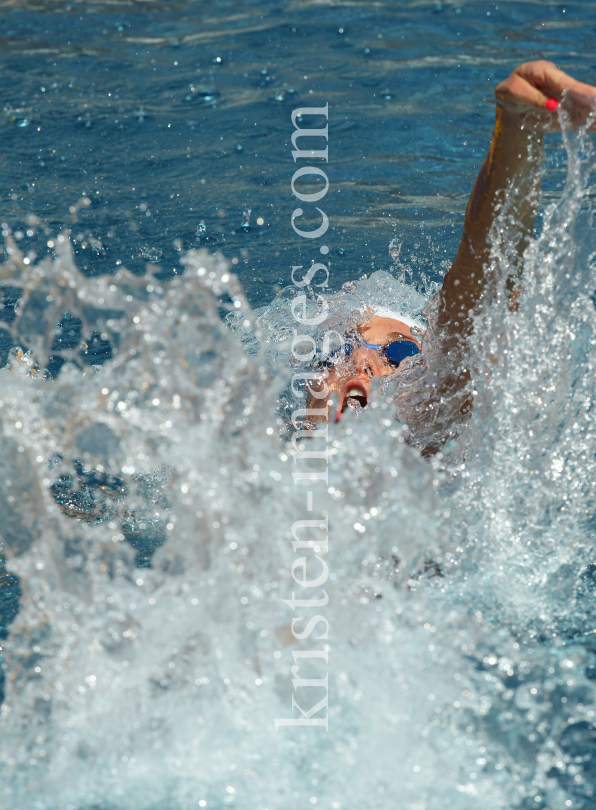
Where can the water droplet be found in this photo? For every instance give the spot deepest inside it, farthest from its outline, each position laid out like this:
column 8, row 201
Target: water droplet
column 245, row 224
column 395, row 249
column 151, row 254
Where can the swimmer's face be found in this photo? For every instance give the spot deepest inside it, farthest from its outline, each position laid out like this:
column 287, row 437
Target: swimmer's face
column 350, row 380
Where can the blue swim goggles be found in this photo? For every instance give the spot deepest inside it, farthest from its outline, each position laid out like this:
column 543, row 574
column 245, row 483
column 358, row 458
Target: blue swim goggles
column 393, row 352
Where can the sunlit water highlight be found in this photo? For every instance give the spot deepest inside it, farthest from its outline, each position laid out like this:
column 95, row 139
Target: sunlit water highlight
column 140, row 669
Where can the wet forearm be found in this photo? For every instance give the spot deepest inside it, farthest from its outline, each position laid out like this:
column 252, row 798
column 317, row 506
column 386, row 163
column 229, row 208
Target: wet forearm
column 511, row 167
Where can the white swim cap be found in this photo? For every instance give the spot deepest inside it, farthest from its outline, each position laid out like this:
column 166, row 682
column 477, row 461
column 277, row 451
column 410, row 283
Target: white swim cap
column 384, row 312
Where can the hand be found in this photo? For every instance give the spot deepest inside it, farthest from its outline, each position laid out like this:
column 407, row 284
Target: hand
column 531, row 85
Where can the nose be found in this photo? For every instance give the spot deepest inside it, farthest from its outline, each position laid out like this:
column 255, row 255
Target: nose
column 367, row 361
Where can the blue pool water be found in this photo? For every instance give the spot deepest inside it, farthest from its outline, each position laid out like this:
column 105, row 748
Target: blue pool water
column 173, row 107
column 146, row 497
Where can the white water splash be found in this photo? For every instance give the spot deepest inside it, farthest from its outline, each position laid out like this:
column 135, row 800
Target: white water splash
column 461, row 613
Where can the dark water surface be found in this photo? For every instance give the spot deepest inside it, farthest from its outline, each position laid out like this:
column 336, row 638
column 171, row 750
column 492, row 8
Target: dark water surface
column 169, row 115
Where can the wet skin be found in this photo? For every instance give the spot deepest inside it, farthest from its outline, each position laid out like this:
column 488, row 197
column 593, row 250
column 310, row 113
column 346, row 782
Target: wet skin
column 526, row 109
column 349, row 382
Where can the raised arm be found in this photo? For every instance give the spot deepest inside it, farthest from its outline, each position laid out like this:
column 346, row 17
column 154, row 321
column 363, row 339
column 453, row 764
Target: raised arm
column 526, row 108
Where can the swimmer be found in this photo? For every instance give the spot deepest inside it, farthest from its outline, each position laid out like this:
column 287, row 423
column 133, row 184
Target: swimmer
column 527, row 104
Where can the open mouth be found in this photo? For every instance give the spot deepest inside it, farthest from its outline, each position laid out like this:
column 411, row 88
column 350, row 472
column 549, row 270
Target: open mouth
column 353, row 395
